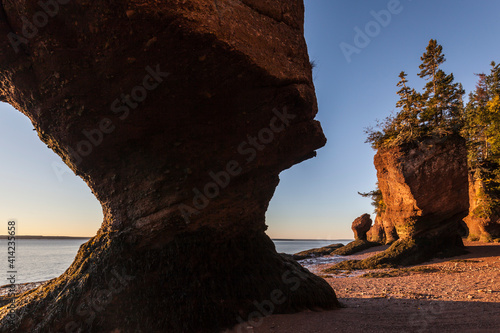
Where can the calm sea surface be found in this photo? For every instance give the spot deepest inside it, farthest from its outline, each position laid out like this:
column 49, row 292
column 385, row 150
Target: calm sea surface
column 44, row 259
column 296, row 245
column 39, row 259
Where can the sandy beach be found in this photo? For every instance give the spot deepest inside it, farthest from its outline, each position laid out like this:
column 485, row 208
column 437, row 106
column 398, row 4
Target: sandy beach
column 459, row 294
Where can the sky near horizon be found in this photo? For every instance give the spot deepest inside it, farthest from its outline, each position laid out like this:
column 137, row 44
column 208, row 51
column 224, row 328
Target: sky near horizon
column 355, row 78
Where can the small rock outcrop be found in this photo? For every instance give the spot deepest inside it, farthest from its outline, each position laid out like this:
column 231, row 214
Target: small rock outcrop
column 483, row 223
column 376, row 233
column 360, row 226
column 179, row 115
column 383, row 230
column 425, row 191
column 354, row 247
column 317, row 252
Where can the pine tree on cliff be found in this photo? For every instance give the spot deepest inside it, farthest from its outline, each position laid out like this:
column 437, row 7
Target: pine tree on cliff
column 403, row 126
column 443, row 109
column 377, row 199
column 477, row 122
column 493, row 80
column 410, row 105
column 437, row 111
column 482, row 120
column 431, row 60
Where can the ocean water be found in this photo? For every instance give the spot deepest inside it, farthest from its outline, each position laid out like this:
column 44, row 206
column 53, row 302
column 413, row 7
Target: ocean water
column 292, row 246
column 39, row 259
column 45, row 259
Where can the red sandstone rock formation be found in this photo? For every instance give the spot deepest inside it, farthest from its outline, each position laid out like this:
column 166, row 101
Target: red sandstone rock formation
column 360, row 226
column 425, row 191
column 483, row 224
column 376, row 233
column 382, row 231
column 179, row 115
column 424, row 187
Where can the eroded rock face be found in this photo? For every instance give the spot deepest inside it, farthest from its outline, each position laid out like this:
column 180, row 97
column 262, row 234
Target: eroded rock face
column 482, row 225
column 179, row 116
column 382, row 231
column 376, row 233
column 425, row 192
column 425, row 188
column 360, row 226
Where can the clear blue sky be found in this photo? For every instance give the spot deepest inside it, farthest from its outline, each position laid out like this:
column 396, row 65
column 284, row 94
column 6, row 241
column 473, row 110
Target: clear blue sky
column 316, row 199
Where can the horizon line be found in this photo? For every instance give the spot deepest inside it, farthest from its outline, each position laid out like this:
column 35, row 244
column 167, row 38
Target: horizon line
column 88, row 237
column 40, row 236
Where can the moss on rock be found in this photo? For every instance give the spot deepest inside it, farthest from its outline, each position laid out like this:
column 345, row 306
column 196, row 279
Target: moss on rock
column 318, row 252
column 404, row 253
column 354, row 247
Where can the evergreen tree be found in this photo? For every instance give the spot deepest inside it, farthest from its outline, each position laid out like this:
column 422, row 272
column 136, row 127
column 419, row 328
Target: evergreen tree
column 444, row 107
column 482, row 132
column 477, row 122
column 438, row 111
column 493, row 80
column 377, row 199
column 410, row 105
column 482, row 120
column 431, row 60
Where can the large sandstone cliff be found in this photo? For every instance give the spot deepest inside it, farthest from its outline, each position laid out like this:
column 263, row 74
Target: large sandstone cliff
column 425, row 188
column 179, row 115
column 425, row 192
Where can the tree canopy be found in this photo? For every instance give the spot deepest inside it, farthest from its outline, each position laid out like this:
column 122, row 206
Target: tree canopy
column 482, row 119
column 438, row 110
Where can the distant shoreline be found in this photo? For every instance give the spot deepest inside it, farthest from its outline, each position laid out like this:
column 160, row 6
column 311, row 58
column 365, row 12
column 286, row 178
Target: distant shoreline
column 76, row 237
column 44, row 237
